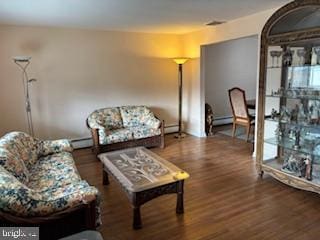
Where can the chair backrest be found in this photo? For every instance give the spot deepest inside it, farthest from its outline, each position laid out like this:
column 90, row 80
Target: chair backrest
column 238, row 103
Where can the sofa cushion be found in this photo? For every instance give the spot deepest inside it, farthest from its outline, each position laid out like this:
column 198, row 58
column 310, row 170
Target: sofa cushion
column 114, row 136
column 144, row 132
column 133, row 116
column 14, row 165
column 53, row 171
column 18, row 152
column 109, row 118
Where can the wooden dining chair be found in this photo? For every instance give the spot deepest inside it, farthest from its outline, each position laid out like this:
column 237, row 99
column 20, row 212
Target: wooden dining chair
column 240, row 111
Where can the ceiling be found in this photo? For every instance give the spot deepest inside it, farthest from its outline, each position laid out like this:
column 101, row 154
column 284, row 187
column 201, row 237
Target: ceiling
column 160, row 16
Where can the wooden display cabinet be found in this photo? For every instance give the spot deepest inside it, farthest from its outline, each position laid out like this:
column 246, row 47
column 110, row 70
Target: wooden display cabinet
column 288, row 142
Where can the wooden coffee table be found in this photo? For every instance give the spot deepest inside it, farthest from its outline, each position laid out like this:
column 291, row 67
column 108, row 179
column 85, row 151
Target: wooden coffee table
column 143, row 175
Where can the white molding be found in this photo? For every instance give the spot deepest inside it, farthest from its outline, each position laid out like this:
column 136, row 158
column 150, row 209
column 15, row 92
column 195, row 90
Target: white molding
column 171, row 129
column 82, row 142
column 222, row 120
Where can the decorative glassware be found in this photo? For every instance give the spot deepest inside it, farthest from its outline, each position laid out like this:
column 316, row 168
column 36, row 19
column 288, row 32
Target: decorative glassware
column 301, row 54
column 317, row 52
column 273, row 54
column 287, row 57
column 278, row 55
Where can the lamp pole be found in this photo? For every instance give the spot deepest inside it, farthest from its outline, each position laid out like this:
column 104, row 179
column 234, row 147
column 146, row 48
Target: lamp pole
column 180, row 134
column 180, row 62
column 23, row 62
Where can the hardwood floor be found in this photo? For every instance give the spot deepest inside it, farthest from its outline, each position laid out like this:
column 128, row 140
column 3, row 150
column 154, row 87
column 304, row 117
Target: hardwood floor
column 224, row 197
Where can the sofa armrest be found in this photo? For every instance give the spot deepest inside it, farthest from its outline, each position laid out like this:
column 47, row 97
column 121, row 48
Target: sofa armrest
column 153, row 122
column 47, row 147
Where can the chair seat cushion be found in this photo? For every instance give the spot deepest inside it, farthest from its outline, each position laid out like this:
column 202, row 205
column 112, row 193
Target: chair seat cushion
column 53, row 171
column 114, row 136
column 144, row 132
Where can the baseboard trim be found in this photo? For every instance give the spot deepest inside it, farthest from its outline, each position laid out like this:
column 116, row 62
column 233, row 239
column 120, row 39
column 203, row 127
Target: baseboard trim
column 222, row 120
column 171, row 129
column 82, row 143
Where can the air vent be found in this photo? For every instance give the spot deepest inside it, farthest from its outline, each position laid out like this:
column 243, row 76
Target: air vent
column 214, row 23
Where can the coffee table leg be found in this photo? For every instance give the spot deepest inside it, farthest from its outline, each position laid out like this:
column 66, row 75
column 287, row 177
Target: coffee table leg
column 180, row 207
column 136, row 217
column 105, row 178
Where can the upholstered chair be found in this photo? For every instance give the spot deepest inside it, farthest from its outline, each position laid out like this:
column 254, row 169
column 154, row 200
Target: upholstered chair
column 240, row 111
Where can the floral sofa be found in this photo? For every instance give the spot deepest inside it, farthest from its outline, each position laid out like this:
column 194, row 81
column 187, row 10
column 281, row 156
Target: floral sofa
column 40, row 186
column 127, row 126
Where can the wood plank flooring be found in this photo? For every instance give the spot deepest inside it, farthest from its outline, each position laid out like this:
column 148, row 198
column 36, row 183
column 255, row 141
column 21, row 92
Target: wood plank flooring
column 224, row 198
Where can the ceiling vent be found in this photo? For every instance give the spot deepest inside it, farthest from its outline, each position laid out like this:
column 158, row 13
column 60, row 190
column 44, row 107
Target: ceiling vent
column 215, row 23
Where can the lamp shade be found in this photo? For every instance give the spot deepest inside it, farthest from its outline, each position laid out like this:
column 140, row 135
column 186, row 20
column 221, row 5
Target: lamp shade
column 180, row 60
column 21, row 58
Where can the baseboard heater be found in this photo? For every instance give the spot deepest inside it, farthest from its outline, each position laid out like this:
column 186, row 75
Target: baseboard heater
column 222, row 120
column 85, row 142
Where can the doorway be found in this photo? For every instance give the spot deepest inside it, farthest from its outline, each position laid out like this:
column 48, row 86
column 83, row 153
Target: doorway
column 225, row 65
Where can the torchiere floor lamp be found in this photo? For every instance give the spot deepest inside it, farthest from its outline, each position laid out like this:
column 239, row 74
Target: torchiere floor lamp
column 23, row 62
column 180, row 61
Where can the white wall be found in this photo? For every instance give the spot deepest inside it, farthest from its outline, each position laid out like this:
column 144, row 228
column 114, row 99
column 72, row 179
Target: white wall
column 79, row 71
column 229, row 64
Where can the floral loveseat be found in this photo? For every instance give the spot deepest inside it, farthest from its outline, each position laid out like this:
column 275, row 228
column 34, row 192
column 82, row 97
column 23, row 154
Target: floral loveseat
column 40, row 186
column 127, row 126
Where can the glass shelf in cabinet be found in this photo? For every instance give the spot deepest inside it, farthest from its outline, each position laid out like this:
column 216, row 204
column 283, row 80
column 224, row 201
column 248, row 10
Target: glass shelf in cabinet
column 303, row 125
column 294, row 97
column 288, row 143
column 294, row 66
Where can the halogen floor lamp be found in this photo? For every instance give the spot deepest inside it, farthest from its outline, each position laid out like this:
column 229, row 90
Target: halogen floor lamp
column 180, row 62
column 23, row 62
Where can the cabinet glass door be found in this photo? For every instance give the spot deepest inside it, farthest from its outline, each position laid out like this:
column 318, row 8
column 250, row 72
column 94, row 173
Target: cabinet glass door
column 292, row 111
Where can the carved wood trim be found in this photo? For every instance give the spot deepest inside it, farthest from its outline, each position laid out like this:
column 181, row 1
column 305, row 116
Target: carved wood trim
column 147, row 195
column 291, row 180
column 279, row 14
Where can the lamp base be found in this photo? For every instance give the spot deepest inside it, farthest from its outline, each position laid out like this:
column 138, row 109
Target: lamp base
column 180, row 135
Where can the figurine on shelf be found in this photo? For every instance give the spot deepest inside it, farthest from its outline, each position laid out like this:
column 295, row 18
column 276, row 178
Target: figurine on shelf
column 290, row 93
column 272, row 92
column 306, row 167
column 284, row 114
column 297, row 139
column 317, row 52
column 308, row 162
column 316, row 148
column 314, row 114
column 280, row 132
column 274, row 114
column 294, row 114
column 287, row 57
column 292, row 134
column 281, row 91
column 291, row 164
column 278, row 93
column 302, row 117
column 303, row 92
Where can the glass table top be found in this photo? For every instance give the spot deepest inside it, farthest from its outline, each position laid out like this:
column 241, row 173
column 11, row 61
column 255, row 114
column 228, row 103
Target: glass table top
column 139, row 169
